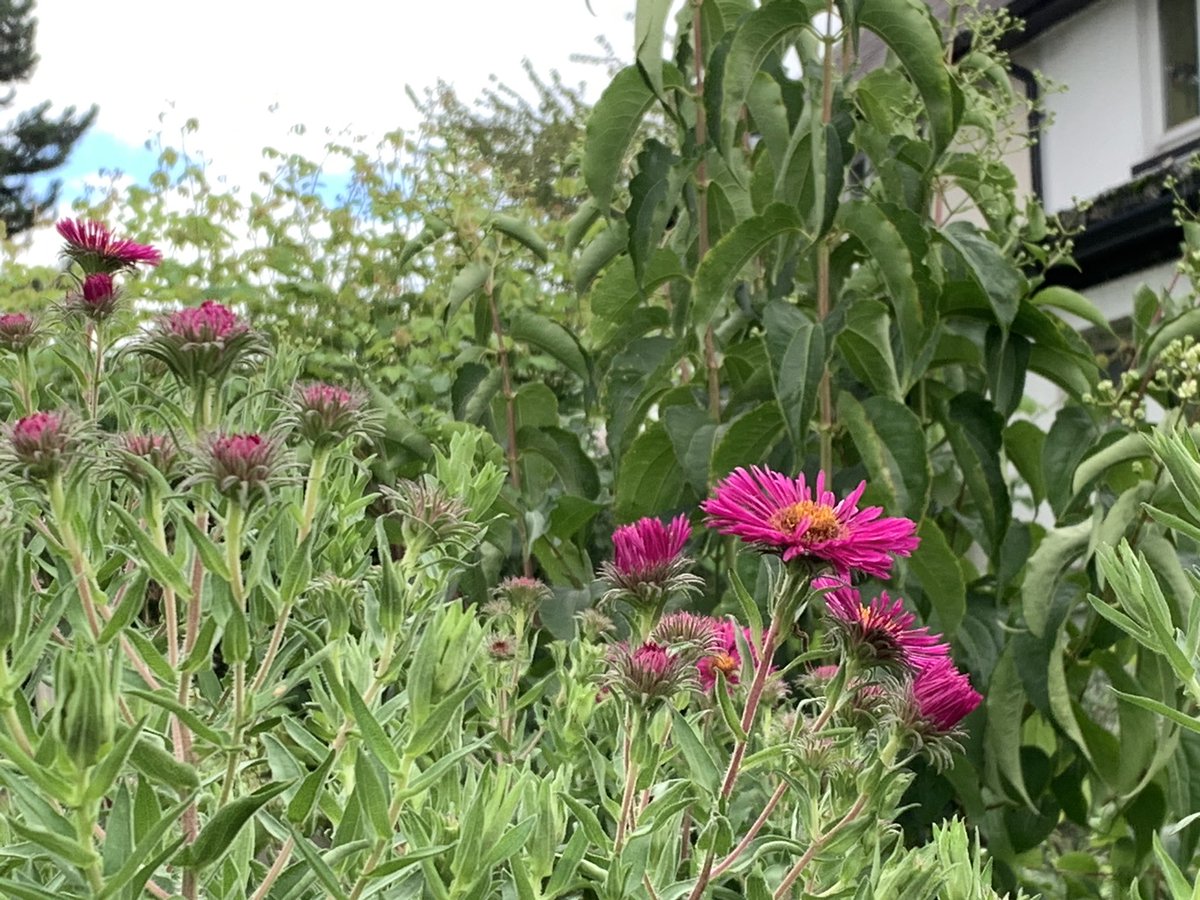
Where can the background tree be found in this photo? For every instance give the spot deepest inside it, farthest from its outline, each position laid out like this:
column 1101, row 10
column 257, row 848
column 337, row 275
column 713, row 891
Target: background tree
column 35, row 141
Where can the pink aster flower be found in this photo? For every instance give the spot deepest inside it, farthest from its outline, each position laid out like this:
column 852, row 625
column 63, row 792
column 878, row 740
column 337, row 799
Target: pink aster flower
column 325, row 414
column 881, row 631
column 942, row 697
column 242, row 465
column 201, row 344
column 96, row 298
column 18, row 332
column 648, row 562
column 136, row 450
column 94, row 247
column 781, row 514
column 40, row 445
column 649, row 673
column 209, row 323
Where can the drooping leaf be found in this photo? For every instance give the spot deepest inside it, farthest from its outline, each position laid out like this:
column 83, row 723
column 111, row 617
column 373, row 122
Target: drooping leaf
column 891, row 442
column 937, row 567
column 796, row 348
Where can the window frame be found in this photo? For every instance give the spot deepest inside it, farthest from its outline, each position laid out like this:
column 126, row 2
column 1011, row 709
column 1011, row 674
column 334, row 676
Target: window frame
column 1159, row 138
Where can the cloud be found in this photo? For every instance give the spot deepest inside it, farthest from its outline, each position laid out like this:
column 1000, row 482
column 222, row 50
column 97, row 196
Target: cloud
column 249, row 70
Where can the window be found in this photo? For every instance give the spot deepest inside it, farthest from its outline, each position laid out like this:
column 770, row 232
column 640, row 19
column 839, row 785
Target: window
column 1178, row 48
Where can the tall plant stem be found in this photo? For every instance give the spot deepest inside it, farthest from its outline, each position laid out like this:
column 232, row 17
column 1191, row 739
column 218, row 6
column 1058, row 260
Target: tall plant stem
column 818, row 843
column 750, row 835
column 24, row 383
column 510, row 414
column 825, row 390
column 80, row 569
column 710, row 343
column 312, row 496
column 233, row 559
column 631, row 777
column 93, row 398
column 183, row 743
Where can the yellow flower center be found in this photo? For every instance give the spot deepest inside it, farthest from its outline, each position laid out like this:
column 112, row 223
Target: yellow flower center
column 723, row 662
column 823, row 523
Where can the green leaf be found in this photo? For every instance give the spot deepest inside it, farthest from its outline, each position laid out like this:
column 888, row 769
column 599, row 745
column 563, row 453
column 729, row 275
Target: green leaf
column 216, row 837
column 1059, row 297
column 1131, row 446
column 649, row 29
column 692, row 432
column 373, row 734
column 1007, row 360
column 602, row 249
column 588, row 820
column 700, row 766
column 188, row 716
column 975, row 430
column 866, row 345
column 127, row 610
column 995, row 276
column 1184, row 325
column 936, row 566
column 891, row 442
column 106, row 772
column 611, row 126
column 796, row 347
column 318, row 866
column 653, row 193
column 512, row 841
column 212, row 556
column 430, row 731
column 161, row 566
column 470, row 278
column 150, row 758
column 549, row 337
column 1023, row 445
column 373, row 794
column 747, row 439
column 562, row 450
column 650, row 480
column 1191, row 723
column 886, row 248
column 719, row 269
column 760, row 32
column 616, row 294
column 1005, row 714
column 59, row 846
column 523, row 233
column 563, row 876
column 310, row 789
column 1055, row 552
column 908, row 30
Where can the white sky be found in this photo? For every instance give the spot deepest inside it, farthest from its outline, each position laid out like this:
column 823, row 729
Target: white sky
column 324, row 64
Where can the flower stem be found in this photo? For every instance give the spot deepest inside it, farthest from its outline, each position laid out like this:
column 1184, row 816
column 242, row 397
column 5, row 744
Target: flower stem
column 631, row 777
column 78, row 560
column 233, row 559
column 818, row 843
column 737, row 851
column 93, row 399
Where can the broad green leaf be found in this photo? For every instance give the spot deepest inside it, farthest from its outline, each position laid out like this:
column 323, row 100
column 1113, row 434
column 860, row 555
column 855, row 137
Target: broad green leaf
column 613, row 123
column 216, row 837
column 909, row 31
column 1007, row 360
column 549, row 337
column 523, row 233
column 1060, row 697
column 650, row 480
column 974, row 429
column 891, row 442
column 992, row 272
column 616, row 295
column 760, row 32
column 747, row 439
column 1005, row 699
column 692, row 432
column 866, row 345
column 769, row 114
column 373, row 793
column 886, row 248
column 720, row 268
column 941, row 577
column 310, row 789
column 649, row 32
column 700, row 765
column 65, row 848
column 1067, row 300
column 1184, row 325
column 599, row 252
column 1131, row 446
column 562, row 450
column 1023, row 445
column 653, row 195
column 1057, row 550
column 796, row 348
column 470, row 278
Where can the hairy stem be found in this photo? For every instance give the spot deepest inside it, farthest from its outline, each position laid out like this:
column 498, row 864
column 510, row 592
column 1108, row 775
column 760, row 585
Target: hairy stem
column 750, row 835
column 233, row 559
column 818, row 843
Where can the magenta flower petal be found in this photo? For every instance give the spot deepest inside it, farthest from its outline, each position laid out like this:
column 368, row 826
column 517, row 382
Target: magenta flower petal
column 883, row 627
column 943, row 696
column 784, row 515
column 96, row 249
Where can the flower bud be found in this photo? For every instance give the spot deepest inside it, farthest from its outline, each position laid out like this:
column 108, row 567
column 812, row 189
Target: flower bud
column 18, row 332
column 137, row 451
column 650, row 673
column 325, row 414
column 524, row 594
column 41, row 445
column 96, row 299
column 242, row 466
column 648, row 564
column 85, row 711
column 201, row 344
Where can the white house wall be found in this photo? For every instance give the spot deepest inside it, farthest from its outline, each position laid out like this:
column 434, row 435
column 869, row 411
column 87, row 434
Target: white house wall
column 1098, row 128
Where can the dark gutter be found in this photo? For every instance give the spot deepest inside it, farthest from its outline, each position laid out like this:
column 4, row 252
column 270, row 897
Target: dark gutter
column 1032, row 94
column 1039, row 16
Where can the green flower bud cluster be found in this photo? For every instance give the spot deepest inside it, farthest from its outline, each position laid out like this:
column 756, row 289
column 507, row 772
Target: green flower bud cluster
column 85, row 710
